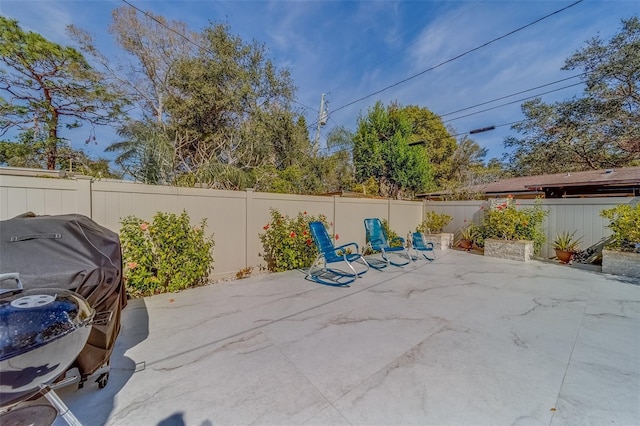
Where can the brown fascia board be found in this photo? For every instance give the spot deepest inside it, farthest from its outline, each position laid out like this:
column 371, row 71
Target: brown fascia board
column 615, row 177
column 521, row 184
column 619, row 182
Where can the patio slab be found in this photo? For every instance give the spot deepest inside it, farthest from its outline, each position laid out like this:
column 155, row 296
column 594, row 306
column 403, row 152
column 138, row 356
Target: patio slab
column 464, row 340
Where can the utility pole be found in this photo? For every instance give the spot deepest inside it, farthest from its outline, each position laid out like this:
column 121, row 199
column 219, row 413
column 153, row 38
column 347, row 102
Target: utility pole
column 322, row 120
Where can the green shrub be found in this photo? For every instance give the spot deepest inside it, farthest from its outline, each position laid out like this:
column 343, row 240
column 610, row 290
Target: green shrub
column 505, row 221
column 165, row 255
column 624, row 221
column 287, row 243
column 434, row 223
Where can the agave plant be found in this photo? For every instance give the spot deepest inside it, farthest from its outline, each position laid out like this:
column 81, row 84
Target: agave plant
column 566, row 241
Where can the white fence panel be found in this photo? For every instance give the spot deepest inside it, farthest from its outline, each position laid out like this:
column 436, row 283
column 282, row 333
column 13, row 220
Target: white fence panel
column 236, row 218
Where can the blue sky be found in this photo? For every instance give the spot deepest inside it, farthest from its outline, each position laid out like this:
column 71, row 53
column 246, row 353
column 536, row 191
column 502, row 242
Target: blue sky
column 351, row 49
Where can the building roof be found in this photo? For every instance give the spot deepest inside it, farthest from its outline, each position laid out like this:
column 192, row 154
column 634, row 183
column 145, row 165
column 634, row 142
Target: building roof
column 560, row 183
column 608, row 177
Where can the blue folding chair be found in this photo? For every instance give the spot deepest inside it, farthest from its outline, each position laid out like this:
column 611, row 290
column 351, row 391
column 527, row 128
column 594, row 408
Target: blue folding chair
column 328, row 254
column 420, row 246
column 377, row 240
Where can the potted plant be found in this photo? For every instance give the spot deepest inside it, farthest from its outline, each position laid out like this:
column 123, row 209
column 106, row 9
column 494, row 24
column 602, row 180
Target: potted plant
column 432, row 228
column 513, row 233
column 622, row 255
column 468, row 235
column 566, row 245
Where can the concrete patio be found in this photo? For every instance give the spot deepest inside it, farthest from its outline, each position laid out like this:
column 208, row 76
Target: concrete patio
column 465, row 340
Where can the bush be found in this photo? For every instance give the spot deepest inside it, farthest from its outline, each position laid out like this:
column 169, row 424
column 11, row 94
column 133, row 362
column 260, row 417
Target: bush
column 287, row 243
column 165, row 255
column 505, row 221
column 624, row 221
column 434, row 223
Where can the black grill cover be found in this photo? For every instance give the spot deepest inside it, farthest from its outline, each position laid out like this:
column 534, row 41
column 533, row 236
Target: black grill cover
column 74, row 253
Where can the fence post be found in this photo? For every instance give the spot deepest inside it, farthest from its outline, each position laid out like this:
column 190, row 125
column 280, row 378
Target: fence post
column 84, row 196
column 334, row 219
column 249, row 220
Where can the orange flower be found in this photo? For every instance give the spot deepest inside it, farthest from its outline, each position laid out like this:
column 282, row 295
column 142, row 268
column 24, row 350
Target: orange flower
column 144, row 226
column 304, row 213
column 510, row 196
column 266, row 227
column 132, row 265
column 308, row 241
column 337, row 236
column 292, row 234
column 304, row 232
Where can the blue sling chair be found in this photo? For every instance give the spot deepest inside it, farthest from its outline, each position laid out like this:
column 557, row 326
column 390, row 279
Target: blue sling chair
column 419, row 246
column 328, row 254
column 377, row 240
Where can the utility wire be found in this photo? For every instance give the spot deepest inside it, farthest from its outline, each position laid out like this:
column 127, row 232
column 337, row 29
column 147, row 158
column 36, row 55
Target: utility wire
column 179, row 34
column 440, row 139
column 457, row 57
column 512, row 102
column 388, row 58
column 513, row 94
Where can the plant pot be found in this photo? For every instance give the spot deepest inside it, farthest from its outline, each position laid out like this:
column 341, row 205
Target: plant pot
column 564, row 256
column 520, row 250
column 440, row 241
column 465, row 244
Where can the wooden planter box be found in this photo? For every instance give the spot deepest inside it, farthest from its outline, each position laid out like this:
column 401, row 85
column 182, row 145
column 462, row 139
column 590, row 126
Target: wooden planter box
column 442, row 241
column 520, row 250
column 621, row 263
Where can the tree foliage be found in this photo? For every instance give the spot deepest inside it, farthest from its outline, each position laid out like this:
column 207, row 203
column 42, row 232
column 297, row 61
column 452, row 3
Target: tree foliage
column 231, row 105
column 441, row 146
column 154, row 46
column 381, row 150
column 600, row 129
column 145, row 153
column 221, row 108
column 44, row 86
column 30, row 150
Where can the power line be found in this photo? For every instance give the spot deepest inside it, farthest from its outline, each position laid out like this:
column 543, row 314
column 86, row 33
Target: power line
column 512, row 102
column 306, row 106
column 179, row 34
column 508, row 96
column 458, row 56
column 453, row 135
column 388, row 58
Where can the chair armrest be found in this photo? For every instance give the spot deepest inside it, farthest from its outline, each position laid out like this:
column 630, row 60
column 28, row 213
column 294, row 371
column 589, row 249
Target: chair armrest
column 344, row 246
column 397, row 239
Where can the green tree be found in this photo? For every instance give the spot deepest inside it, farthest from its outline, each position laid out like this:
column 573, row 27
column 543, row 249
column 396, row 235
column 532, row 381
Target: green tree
column 231, row 108
column 146, row 153
column 30, row 151
column 153, row 45
column 441, row 146
column 381, row 150
column 44, row 86
column 600, row 129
